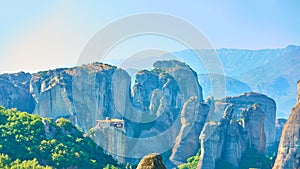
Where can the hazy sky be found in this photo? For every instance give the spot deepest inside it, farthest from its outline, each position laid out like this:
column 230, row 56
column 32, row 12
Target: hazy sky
column 39, row 35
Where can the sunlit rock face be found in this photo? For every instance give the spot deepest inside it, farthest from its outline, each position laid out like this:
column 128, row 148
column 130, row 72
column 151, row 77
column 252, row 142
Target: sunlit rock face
column 289, row 146
column 170, row 100
column 82, row 94
column 170, row 93
column 151, row 161
column 193, row 116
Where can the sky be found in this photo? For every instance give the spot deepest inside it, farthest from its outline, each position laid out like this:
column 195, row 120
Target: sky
column 40, row 35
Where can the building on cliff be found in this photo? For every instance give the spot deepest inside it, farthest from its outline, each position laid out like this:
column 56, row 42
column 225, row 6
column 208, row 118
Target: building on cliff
column 116, row 123
column 109, row 135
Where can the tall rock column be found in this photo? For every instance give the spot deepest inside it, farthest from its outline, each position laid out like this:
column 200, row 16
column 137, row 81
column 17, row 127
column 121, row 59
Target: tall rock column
column 266, row 104
column 289, row 147
column 298, row 95
column 212, row 138
column 193, row 117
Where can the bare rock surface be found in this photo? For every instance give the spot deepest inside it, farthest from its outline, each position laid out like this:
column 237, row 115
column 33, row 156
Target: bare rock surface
column 289, row 147
column 151, row 161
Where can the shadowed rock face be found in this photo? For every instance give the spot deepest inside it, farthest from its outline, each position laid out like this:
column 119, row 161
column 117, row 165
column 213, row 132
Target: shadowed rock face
column 171, row 93
column 266, row 104
column 228, row 139
column 151, row 161
column 193, row 116
column 14, row 91
column 289, row 147
column 254, row 125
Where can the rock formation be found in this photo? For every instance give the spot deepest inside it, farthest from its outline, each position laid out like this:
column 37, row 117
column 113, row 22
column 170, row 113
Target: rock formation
column 182, row 74
column 109, row 135
column 228, row 138
column 289, row 147
column 253, row 124
column 165, row 93
column 193, row 116
column 82, row 94
column 212, row 140
column 151, row 161
column 145, row 83
column 266, row 104
column 14, row 91
column 216, row 109
column 167, row 98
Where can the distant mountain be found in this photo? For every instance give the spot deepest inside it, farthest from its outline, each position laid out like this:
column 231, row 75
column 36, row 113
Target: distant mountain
column 273, row 72
column 233, row 86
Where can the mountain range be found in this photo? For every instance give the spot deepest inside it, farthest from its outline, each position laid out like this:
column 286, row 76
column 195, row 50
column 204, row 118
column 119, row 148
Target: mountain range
column 273, row 72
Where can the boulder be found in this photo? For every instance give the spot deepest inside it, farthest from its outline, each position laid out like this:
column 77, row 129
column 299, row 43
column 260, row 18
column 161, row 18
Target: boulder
column 151, row 161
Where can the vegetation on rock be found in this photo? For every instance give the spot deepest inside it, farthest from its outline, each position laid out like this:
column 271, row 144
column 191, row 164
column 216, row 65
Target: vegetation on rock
column 192, row 162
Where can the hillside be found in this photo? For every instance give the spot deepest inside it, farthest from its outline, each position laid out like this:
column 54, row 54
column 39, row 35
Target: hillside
column 28, row 140
column 233, row 86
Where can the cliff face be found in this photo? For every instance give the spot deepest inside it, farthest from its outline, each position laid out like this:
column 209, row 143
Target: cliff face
column 14, row 91
column 266, row 104
column 289, row 151
column 167, row 99
column 172, row 95
column 229, row 137
column 212, row 140
column 193, row 116
column 109, row 134
column 82, row 94
column 87, row 93
column 253, row 123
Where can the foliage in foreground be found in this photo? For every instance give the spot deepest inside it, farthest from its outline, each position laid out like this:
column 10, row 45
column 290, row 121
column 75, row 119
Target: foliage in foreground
column 6, row 163
column 24, row 142
column 192, row 162
column 250, row 159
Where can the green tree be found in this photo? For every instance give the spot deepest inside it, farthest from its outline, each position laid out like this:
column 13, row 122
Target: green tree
column 23, row 142
column 192, row 162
